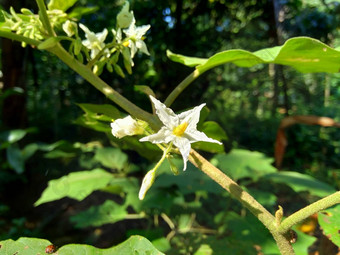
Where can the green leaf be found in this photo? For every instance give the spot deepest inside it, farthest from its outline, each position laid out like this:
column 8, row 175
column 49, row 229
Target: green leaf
column 103, row 112
column 302, row 53
column 78, row 12
column 11, row 136
column 76, row 185
column 329, row 221
column 61, row 4
column 188, row 61
column 28, row 246
column 243, row 163
column 16, row 159
column 109, row 212
column 301, row 182
column 112, row 158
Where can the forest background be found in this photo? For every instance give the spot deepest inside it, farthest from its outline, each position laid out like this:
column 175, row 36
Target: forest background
column 41, row 102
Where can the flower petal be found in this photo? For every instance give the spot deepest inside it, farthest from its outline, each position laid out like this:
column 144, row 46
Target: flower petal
column 197, row 136
column 192, row 116
column 165, row 114
column 164, row 135
column 184, row 147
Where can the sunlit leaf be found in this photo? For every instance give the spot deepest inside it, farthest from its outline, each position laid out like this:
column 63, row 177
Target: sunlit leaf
column 329, row 221
column 188, row 61
column 60, row 4
column 29, row 246
column 76, row 185
column 301, row 182
column 243, row 163
column 303, row 53
column 11, row 136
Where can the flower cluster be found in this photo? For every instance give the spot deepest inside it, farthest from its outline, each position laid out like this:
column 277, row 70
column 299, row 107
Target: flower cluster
column 178, row 129
column 107, row 54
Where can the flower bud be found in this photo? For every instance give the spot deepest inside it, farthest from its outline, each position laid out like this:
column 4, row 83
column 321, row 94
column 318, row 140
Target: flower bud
column 148, row 180
column 70, row 28
column 124, row 17
column 126, row 126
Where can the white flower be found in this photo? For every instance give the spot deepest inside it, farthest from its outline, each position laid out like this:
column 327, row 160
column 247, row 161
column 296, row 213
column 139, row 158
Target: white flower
column 94, row 42
column 179, row 129
column 135, row 36
column 126, row 127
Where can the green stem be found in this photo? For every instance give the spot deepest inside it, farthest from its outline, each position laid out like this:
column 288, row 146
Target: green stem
column 309, row 210
column 13, row 36
column 44, row 18
column 180, row 87
column 103, row 87
column 245, row 198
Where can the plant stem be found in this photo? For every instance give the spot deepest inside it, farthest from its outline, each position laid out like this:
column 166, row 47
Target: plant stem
column 44, row 17
column 103, row 87
column 180, row 87
column 245, row 198
column 309, row 210
column 13, row 36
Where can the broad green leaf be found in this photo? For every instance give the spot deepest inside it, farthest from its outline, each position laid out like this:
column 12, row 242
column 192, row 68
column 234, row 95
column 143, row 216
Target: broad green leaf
column 60, row 4
column 28, row 246
column 109, row 212
column 188, row 61
column 15, row 158
column 302, row 53
column 103, row 112
column 76, row 185
column 301, row 182
column 204, row 249
column 329, row 221
column 303, row 242
column 243, row 163
column 29, row 150
column 112, row 158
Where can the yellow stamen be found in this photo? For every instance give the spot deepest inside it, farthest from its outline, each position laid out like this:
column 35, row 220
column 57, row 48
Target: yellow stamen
column 126, row 44
column 180, row 129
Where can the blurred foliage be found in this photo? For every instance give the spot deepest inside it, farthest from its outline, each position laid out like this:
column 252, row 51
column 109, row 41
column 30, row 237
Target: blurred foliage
column 191, row 211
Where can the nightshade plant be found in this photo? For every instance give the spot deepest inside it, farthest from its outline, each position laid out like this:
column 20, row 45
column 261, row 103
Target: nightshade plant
column 173, row 134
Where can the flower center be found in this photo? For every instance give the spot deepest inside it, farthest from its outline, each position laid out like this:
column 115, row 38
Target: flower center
column 180, row 129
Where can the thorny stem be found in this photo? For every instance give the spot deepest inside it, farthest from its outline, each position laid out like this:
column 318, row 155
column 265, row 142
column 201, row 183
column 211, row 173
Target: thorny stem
column 309, row 210
column 245, row 198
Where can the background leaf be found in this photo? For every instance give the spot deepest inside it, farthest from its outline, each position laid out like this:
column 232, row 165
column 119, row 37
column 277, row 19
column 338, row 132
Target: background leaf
column 301, row 182
column 243, row 163
column 112, row 158
column 76, row 185
column 61, row 4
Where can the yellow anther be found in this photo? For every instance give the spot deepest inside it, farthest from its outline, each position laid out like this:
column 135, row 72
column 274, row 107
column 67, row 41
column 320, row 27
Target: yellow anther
column 180, row 129
column 126, row 44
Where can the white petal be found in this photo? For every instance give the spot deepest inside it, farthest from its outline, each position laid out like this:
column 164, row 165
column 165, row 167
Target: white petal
column 192, row 116
column 184, row 147
column 165, row 114
column 140, row 31
column 142, row 46
column 196, row 136
column 102, row 36
column 164, row 135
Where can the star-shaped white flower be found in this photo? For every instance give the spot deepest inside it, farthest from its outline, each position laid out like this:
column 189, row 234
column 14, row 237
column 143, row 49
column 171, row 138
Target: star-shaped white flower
column 179, row 129
column 135, row 35
column 94, row 42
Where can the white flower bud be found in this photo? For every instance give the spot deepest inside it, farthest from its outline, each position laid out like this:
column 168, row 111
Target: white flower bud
column 126, row 126
column 70, row 28
column 124, row 17
column 148, row 180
